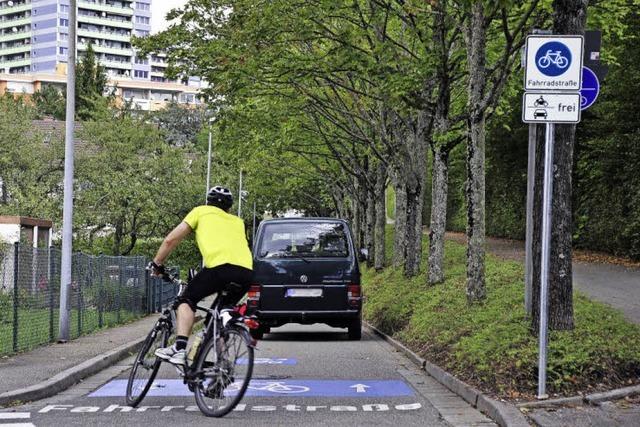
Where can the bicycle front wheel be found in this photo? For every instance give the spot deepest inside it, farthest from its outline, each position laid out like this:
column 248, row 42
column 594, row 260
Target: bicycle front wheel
column 223, row 380
column 146, row 365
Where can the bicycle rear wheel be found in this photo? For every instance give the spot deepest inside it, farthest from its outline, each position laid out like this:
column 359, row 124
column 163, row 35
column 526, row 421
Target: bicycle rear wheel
column 223, row 383
column 146, row 365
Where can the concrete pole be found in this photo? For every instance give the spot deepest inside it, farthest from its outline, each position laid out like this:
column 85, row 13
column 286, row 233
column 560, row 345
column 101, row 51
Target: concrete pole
column 67, row 215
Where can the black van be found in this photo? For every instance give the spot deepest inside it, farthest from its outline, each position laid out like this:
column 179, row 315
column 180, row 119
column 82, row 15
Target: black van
column 305, row 271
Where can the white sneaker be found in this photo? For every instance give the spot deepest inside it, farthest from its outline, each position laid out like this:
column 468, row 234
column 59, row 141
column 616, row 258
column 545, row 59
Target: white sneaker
column 176, row 357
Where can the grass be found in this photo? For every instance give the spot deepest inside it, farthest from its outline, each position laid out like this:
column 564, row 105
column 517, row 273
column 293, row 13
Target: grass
column 34, row 326
column 490, row 345
column 390, row 201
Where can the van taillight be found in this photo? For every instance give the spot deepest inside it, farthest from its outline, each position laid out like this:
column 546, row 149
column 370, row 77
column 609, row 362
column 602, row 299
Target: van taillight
column 353, row 291
column 253, row 295
column 354, row 295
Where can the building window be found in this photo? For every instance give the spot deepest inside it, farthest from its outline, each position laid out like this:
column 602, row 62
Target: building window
column 63, row 37
column 143, row 61
column 142, row 33
column 142, row 20
column 63, row 50
column 64, row 22
column 141, row 74
column 64, row 8
column 142, row 6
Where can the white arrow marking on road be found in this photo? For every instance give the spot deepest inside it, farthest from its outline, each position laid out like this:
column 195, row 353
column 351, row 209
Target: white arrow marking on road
column 360, row 388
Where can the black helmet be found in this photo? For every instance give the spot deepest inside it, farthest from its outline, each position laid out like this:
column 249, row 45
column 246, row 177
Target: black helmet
column 220, row 197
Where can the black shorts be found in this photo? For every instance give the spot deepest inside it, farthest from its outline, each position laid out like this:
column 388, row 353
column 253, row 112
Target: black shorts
column 211, row 280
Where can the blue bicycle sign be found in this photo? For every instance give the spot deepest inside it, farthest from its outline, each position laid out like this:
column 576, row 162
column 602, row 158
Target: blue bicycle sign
column 553, row 58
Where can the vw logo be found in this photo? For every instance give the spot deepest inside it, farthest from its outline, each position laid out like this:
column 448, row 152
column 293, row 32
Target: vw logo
column 304, row 279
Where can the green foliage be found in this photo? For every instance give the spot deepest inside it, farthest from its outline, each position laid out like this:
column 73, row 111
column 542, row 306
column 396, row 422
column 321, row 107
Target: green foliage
column 131, row 183
column 91, row 81
column 179, row 125
column 30, row 181
column 50, row 102
column 490, row 345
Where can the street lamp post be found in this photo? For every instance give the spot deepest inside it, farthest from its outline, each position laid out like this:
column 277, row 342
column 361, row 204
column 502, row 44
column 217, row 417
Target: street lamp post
column 240, row 195
column 67, row 212
column 206, row 190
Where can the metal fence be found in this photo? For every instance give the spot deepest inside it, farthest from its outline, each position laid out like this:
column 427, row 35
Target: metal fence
column 105, row 291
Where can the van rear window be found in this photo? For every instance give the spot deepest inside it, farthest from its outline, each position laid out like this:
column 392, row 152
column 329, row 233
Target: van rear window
column 307, row 239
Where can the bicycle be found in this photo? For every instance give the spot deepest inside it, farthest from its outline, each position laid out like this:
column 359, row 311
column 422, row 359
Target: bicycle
column 555, row 58
column 213, row 374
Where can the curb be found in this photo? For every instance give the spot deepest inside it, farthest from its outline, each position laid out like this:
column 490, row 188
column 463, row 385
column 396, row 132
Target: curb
column 505, row 414
column 593, row 399
column 71, row 376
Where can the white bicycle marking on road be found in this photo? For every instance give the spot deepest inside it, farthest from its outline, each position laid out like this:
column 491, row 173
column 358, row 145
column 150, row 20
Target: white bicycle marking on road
column 273, row 387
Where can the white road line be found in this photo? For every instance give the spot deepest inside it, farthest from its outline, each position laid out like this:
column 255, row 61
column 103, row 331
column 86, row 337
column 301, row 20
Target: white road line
column 18, row 425
column 15, row 415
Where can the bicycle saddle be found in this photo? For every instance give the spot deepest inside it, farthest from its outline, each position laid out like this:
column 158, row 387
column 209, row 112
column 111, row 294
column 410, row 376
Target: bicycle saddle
column 233, row 287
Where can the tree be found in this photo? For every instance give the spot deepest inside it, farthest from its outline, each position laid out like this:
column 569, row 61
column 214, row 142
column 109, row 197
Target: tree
column 30, row 182
column 131, row 184
column 50, row 102
column 179, row 124
column 507, row 23
column 91, row 81
column 569, row 17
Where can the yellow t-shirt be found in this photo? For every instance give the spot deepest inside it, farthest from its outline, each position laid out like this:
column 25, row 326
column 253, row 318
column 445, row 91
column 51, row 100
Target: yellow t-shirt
column 220, row 236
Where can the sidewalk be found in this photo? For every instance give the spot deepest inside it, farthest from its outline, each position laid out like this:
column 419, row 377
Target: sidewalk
column 612, row 284
column 24, row 371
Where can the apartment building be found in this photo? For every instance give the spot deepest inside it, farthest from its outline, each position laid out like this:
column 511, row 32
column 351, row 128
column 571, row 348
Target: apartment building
column 34, row 40
column 34, row 34
column 146, row 95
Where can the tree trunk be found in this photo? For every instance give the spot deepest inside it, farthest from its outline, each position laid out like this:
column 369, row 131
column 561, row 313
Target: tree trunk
column 370, row 226
column 413, row 253
column 439, row 189
column 381, row 217
column 400, row 229
column 569, row 18
column 356, row 223
column 475, row 187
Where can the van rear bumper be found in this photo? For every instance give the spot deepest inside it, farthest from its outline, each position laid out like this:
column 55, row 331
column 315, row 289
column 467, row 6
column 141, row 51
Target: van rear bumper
column 315, row 316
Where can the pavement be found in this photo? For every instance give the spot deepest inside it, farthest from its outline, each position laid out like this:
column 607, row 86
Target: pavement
column 23, row 371
column 612, row 284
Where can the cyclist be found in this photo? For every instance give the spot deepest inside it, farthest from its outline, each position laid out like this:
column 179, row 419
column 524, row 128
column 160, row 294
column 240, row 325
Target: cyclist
column 223, row 244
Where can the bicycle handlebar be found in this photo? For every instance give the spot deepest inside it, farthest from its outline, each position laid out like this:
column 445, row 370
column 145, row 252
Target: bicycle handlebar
column 168, row 277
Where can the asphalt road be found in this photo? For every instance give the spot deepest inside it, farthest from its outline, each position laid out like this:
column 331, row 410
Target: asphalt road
column 336, row 381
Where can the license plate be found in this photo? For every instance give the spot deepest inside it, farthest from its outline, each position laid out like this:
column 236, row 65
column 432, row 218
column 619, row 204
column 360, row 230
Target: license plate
column 302, row 292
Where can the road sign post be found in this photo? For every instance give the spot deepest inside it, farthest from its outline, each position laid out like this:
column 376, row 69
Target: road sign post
column 553, row 80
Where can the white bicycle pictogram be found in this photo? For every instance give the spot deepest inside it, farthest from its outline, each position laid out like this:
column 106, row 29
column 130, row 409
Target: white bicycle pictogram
column 273, row 387
column 555, row 58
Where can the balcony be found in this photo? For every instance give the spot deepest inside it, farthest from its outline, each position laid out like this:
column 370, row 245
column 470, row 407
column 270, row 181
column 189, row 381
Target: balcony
column 15, row 49
column 107, row 49
column 15, row 22
column 96, row 20
column 116, row 64
column 109, row 35
column 15, row 36
column 103, row 7
column 6, row 10
column 17, row 62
